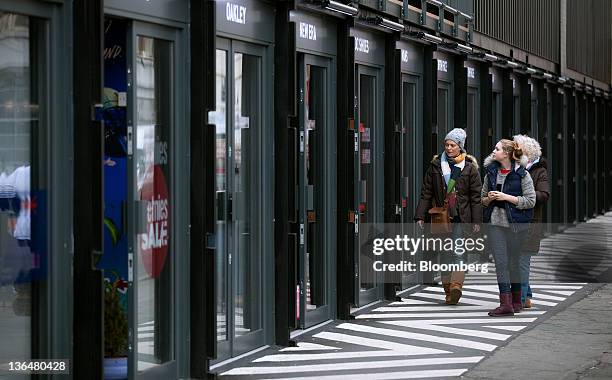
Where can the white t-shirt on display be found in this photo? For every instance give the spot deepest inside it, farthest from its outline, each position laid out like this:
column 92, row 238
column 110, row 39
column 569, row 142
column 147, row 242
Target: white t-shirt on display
column 22, row 188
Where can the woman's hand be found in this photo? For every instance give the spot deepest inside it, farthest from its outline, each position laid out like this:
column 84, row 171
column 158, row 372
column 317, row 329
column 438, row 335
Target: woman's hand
column 421, row 223
column 476, row 228
column 500, row 196
column 497, row 196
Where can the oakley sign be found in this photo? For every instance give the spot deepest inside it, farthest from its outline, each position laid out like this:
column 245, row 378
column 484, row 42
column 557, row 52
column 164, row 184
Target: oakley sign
column 235, row 13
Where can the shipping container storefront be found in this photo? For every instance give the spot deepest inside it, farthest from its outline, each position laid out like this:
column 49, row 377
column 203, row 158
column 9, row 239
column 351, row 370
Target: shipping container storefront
column 564, row 144
column 516, row 106
column 555, row 141
column 473, row 122
column 411, row 105
column 496, row 106
column 445, row 100
column 369, row 138
column 146, row 198
column 243, row 121
column 35, row 181
column 316, row 104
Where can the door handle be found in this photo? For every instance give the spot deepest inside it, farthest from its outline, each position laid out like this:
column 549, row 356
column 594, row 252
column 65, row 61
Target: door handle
column 141, row 216
column 221, row 205
column 363, row 191
column 124, row 215
column 309, row 197
column 230, row 206
column 405, row 187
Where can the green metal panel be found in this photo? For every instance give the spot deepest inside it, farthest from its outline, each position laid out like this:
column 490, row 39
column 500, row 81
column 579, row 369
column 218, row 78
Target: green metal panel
column 163, row 11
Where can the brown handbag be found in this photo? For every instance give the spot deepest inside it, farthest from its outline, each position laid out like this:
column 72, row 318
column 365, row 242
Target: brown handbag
column 440, row 220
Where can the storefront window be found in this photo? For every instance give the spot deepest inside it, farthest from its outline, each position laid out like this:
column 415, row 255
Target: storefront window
column 153, row 190
column 22, row 182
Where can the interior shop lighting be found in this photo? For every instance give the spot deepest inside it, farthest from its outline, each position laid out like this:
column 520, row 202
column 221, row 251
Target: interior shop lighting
column 532, row 71
column 562, row 80
column 386, row 23
column 548, row 76
column 336, row 6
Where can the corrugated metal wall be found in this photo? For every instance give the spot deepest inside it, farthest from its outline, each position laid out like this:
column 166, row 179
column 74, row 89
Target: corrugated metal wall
column 466, row 6
column 589, row 37
column 530, row 25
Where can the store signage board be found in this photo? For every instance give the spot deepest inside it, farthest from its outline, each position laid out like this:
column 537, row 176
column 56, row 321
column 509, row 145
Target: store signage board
column 245, row 18
column 314, row 33
column 369, row 47
column 445, row 66
column 411, row 57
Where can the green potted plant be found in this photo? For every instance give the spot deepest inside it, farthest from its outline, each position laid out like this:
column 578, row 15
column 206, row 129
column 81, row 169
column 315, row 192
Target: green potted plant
column 115, row 330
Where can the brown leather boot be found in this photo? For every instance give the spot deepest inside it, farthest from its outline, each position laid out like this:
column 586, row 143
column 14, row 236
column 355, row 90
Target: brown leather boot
column 457, row 279
column 447, row 292
column 446, row 280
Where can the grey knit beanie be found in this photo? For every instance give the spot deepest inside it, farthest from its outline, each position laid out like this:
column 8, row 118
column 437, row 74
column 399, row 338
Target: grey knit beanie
column 458, row 136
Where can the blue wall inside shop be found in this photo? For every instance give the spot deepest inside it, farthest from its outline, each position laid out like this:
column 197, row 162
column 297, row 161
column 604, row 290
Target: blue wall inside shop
column 114, row 259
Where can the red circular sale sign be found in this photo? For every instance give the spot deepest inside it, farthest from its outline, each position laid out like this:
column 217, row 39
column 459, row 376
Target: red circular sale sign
column 153, row 243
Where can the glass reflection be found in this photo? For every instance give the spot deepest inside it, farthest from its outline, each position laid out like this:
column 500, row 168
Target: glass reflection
column 154, row 240
column 22, row 179
column 443, row 117
column 246, row 258
column 367, row 117
column 408, row 154
column 218, row 118
column 313, row 151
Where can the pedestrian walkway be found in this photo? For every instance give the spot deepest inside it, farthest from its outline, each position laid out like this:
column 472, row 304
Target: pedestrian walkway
column 577, row 342
column 422, row 337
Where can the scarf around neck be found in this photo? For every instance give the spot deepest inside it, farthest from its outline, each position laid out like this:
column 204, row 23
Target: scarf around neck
column 531, row 163
column 452, row 173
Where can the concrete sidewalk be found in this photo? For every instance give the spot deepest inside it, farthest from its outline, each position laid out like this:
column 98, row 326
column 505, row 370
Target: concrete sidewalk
column 575, row 343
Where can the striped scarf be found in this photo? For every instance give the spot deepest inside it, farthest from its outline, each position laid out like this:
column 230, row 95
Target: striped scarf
column 451, row 174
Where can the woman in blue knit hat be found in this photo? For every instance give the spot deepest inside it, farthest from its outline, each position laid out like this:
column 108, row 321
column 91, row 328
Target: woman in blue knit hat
column 452, row 176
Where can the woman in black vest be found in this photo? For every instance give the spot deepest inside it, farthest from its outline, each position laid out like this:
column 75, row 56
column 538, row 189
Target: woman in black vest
column 509, row 197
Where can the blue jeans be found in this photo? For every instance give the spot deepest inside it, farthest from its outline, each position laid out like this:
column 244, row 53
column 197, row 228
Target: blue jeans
column 452, row 257
column 525, row 264
column 506, row 246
